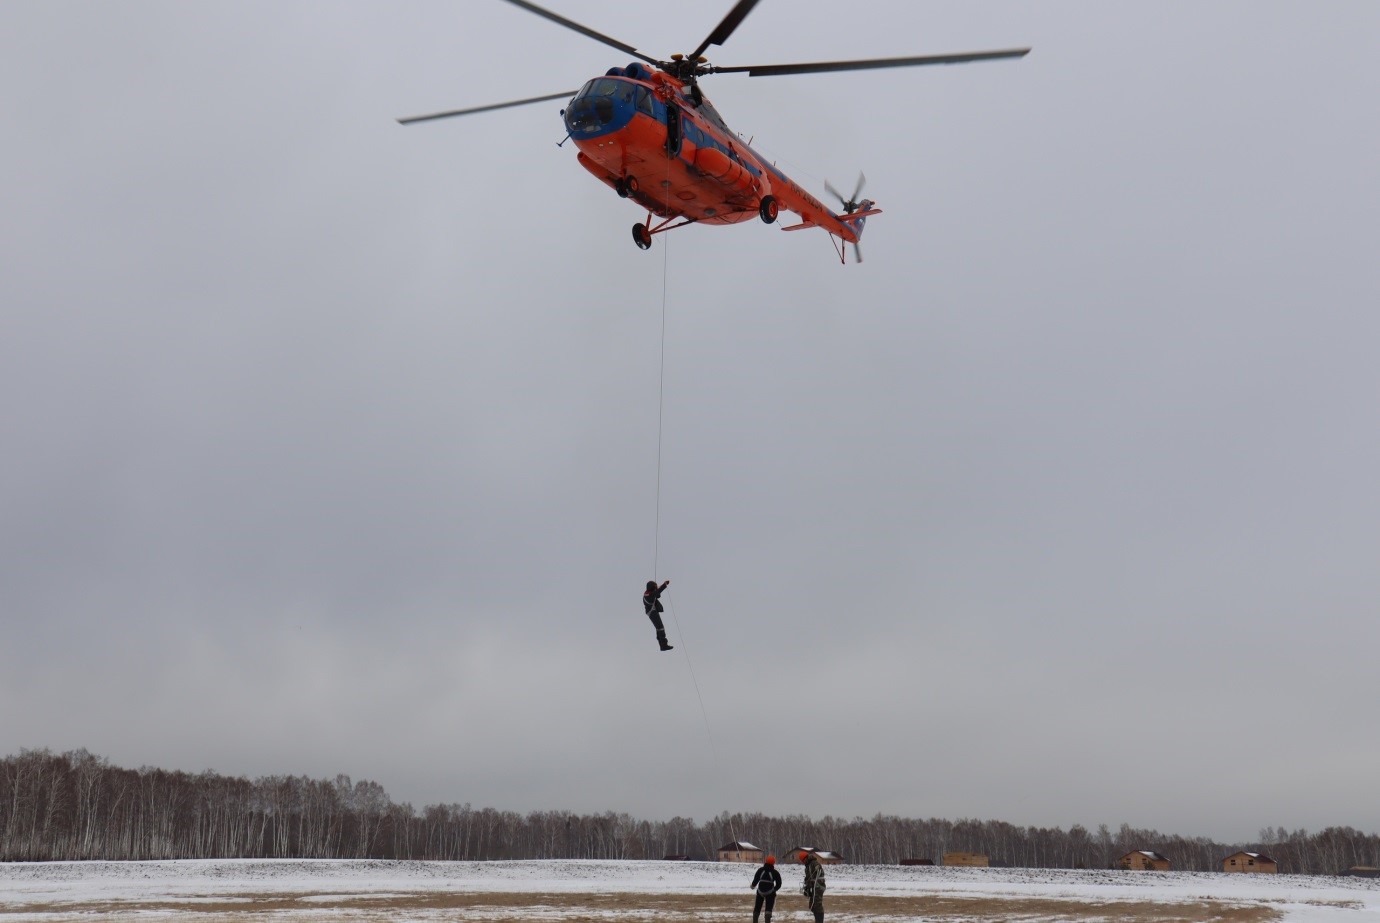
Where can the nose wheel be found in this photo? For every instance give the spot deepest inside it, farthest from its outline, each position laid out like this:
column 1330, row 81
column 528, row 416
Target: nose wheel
column 642, row 233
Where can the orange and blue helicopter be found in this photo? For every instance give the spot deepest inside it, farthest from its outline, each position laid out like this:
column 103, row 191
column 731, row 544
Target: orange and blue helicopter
column 650, row 134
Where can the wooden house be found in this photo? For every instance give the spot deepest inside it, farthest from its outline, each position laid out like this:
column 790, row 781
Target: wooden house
column 1250, row 862
column 739, row 851
column 972, row 859
column 1145, row 860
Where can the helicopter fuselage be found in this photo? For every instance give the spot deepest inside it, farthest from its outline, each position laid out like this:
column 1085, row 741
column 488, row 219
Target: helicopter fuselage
column 650, row 135
column 658, row 141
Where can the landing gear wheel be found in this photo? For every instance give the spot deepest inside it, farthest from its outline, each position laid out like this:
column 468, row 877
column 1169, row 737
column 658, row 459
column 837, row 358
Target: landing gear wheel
column 642, row 237
column 769, row 209
column 626, row 186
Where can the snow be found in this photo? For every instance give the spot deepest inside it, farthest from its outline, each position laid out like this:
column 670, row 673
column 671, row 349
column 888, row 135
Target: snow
column 26, row 886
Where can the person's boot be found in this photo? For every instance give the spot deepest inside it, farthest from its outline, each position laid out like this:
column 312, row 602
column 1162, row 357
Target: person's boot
column 661, row 639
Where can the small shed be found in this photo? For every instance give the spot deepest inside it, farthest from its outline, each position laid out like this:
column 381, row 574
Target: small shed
column 1145, row 860
column 739, row 851
column 1363, row 871
column 1256, row 862
column 917, row 862
column 972, row 859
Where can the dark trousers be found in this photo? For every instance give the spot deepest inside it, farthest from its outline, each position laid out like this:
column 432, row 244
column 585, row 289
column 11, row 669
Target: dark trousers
column 767, row 900
column 660, row 630
column 817, row 907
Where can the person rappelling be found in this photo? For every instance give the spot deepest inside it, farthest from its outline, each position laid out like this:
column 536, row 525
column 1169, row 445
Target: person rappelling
column 651, row 604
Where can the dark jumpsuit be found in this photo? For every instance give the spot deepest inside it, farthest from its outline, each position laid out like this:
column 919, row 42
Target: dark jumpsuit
column 651, row 604
column 766, row 882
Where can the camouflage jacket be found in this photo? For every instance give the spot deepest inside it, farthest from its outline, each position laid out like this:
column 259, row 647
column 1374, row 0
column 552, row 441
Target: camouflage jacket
column 814, row 879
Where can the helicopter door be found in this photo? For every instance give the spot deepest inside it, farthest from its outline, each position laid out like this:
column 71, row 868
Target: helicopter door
column 673, row 131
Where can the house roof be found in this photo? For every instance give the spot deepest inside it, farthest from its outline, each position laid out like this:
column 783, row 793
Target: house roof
column 822, row 853
column 738, row 846
column 1148, row 853
column 1254, row 855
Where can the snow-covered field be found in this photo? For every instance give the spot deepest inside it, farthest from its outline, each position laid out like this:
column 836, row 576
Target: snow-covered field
column 578, row 890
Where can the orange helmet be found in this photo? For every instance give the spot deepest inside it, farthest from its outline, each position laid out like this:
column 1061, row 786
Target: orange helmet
column 804, row 856
column 771, row 860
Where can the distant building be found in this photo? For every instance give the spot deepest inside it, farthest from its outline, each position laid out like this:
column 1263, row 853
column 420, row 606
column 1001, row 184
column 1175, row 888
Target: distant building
column 824, row 856
column 1250, row 862
column 1363, row 871
column 1145, row 860
column 676, row 857
column 973, row 859
column 917, row 862
column 738, row 851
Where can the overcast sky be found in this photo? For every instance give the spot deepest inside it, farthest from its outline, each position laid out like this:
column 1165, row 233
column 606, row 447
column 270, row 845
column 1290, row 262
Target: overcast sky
column 331, row 445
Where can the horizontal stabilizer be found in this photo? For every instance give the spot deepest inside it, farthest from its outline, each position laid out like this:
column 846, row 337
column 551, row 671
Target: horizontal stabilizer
column 801, row 226
column 849, row 216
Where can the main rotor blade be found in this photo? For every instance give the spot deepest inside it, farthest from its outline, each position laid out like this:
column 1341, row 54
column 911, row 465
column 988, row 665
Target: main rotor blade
column 725, row 29
column 779, row 70
column 583, row 30
column 471, row 111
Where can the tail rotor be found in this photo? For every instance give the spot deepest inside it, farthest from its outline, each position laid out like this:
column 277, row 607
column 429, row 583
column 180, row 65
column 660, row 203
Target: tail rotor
column 852, row 204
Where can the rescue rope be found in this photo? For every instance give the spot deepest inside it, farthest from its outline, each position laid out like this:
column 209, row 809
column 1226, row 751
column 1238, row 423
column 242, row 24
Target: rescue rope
column 680, row 636
column 660, row 407
column 704, row 713
column 656, row 545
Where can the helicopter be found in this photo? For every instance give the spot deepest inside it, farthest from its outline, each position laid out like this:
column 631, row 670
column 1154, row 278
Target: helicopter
column 647, row 131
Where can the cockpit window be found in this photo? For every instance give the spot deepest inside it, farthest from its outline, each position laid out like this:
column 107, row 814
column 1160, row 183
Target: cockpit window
column 604, row 86
column 643, row 97
column 706, row 108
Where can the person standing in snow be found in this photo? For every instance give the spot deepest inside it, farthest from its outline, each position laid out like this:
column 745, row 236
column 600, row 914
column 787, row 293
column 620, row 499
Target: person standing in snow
column 651, row 604
column 766, row 883
column 814, row 884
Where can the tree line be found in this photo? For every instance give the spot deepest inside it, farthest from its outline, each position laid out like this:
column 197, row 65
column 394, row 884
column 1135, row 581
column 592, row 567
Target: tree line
column 75, row 805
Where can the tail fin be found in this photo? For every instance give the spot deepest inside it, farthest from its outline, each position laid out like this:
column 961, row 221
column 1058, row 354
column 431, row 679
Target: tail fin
column 855, row 212
column 865, row 206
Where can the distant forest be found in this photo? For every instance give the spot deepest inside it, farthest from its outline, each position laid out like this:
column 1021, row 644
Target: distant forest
column 77, row 806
